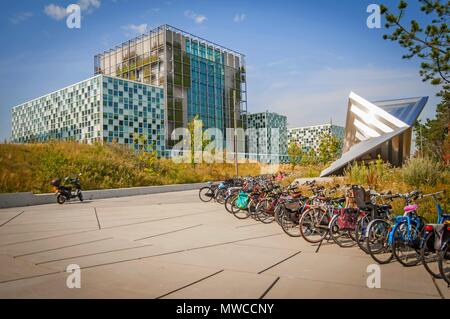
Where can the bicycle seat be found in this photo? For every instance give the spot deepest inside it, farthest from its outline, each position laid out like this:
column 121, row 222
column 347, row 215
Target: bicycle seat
column 385, row 207
column 410, row 208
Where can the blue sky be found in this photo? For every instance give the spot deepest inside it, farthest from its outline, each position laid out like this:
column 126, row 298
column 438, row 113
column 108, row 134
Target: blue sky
column 303, row 57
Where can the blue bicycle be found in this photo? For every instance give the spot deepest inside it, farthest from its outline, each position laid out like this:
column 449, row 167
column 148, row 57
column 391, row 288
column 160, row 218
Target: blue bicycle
column 398, row 236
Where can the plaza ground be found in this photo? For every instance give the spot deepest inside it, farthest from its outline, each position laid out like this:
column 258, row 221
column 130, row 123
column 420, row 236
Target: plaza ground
column 172, row 245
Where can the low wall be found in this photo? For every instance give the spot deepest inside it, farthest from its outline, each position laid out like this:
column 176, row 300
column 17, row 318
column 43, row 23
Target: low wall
column 30, row 199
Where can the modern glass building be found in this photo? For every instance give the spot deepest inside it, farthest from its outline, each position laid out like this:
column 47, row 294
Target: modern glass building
column 199, row 77
column 99, row 109
column 267, row 137
column 309, row 137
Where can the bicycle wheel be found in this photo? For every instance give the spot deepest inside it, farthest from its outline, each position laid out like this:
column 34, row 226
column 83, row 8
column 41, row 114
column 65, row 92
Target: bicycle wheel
column 251, row 208
column 406, row 244
column 206, row 194
column 277, row 213
column 444, row 262
column 342, row 237
column 238, row 212
column 360, row 233
column 429, row 256
column 314, row 225
column 228, row 202
column 290, row 223
column 377, row 241
column 221, row 195
column 265, row 210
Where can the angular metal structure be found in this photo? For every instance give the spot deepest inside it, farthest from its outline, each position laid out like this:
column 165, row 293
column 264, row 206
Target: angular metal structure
column 377, row 128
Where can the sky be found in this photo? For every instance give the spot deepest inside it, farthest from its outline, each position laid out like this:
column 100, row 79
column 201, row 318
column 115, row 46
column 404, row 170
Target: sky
column 303, row 57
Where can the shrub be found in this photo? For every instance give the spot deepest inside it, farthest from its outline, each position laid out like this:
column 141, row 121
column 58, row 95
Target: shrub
column 30, row 167
column 372, row 173
column 422, row 171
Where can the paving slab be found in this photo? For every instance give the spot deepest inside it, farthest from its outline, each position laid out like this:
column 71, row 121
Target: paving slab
column 175, row 246
column 233, row 285
column 230, row 257
column 13, row 269
column 55, row 243
column 349, row 270
column 299, row 288
column 72, row 251
column 135, row 279
column 7, row 217
column 443, row 288
column 20, row 238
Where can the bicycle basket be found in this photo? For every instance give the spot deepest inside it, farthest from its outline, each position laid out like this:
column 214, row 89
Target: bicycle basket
column 242, row 200
column 439, row 232
column 347, row 218
column 293, row 206
column 358, row 196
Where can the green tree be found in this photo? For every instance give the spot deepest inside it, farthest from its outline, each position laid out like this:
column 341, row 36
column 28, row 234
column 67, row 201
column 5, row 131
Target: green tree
column 149, row 161
column 205, row 141
column 310, row 157
column 430, row 43
column 295, row 154
column 140, row 140
column 329, row 148
column 432, row 138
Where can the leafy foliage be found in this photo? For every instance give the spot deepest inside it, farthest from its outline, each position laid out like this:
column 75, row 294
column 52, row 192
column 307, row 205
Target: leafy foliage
column 422, row 171
column 432, row 136
column 295, row 154
column 192, row 133
column 30, row 167
column 372, row 173
column 431, row 43
column 330, row 148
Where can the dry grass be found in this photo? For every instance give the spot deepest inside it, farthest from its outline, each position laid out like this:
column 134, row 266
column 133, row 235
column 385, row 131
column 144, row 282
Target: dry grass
column 30, row 167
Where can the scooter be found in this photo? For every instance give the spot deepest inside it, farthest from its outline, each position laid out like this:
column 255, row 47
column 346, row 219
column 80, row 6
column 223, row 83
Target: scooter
column 66, row 193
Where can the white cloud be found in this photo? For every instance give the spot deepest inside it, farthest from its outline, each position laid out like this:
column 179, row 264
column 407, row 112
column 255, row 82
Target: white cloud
column 198, row 18
column 89, row 5
column 55, row 12
column 20, row 17
column 135, row 29
column 239, row 17
column 58, row 12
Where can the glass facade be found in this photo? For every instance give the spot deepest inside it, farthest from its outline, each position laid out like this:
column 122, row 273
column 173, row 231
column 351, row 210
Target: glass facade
column 199, row 77
column 72, row 113
column 309, row 137
column 268, row 129
column 132, row 109
column 100, row 109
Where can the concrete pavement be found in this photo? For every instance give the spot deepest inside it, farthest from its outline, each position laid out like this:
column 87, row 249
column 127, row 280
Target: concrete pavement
column 172, row 245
